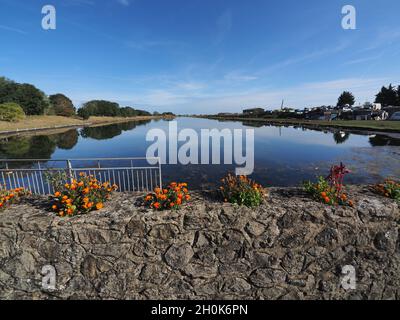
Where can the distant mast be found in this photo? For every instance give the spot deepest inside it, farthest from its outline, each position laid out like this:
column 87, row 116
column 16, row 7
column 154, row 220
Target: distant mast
column 280, row 128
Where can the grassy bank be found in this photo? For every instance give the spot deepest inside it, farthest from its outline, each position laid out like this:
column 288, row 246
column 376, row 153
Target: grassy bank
column 51, row 122
column 389, row 126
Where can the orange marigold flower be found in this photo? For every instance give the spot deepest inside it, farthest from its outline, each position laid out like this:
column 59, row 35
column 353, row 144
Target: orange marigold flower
column 57, row 194
column 54, row 207
column 99, row 206
column 323, row 194
column 157, row 205
column 327, row 200
column 187, row 197
column 65, row 197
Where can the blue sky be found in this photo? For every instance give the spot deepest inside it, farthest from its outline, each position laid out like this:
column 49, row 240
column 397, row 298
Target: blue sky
column 202, row 56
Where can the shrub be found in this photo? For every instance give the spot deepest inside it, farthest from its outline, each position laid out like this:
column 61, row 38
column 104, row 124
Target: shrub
column 242, row 191
column 81, row 196
column 330, row 190
column 8, row 197
column 62, row 105
column 389, row 188
column 11, row 112
column 172, row 197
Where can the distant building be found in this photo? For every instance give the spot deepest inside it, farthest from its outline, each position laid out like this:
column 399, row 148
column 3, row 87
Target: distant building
column 253, row 111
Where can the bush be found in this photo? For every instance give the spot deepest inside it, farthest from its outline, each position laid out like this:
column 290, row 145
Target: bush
column 172, row 197
column 389, row 189
column 11, row 112
column 242, row 191
column 62, row 105
column 81, row 196
column 330, row 190
column 8, row 197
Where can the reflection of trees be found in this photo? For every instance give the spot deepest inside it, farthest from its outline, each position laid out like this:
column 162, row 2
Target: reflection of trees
column 340, row 136
column 110, row 131
column 382, row 140
column 36, row 147
column 253, row 124
column 68, row 140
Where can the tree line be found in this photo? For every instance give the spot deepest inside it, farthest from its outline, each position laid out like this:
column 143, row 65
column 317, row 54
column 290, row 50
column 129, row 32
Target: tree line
column 20, row 99
column 387, row 96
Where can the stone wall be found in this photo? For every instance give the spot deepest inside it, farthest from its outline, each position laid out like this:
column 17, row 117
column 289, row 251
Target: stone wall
column 289, row 248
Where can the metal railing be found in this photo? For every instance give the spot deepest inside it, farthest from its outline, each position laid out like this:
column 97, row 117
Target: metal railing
column 31, row 173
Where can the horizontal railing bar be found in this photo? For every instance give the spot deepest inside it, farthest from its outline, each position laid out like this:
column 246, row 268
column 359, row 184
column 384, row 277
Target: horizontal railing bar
column 78, row 159
column 79, row 169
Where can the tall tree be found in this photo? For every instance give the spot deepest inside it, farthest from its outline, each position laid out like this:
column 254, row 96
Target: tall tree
column 346, row 98
column 31, row 99
column 99, row 108
column 387, row 96
column 398, row 96
column 62, row 105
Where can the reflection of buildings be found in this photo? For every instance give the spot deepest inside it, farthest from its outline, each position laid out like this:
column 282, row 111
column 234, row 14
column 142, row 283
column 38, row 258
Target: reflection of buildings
column 382, row 140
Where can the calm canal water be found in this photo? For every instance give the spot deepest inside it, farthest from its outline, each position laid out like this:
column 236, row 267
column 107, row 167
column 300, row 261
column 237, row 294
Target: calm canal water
column 284, row 156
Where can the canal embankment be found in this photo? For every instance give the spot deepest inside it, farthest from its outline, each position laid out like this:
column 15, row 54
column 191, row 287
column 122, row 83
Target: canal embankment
column 290, row 247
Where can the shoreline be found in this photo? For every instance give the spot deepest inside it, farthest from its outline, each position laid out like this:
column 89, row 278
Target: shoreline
column 360, row 125
column 71, row 123
column 290, row 247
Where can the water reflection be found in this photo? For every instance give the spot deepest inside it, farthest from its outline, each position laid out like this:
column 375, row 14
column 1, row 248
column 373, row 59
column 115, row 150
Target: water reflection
column 341, row 137
column 284, row 155
column 382, row 140
column 110, row 131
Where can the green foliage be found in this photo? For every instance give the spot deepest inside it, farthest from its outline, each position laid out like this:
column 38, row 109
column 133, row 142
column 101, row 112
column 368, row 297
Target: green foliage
column 110, row 109
column 62, row 105
column 242, row 191
column 388, row 96
column 346, row 98
column 389, row 188
column 11, row 112
column 32, row 100
column 99, row 108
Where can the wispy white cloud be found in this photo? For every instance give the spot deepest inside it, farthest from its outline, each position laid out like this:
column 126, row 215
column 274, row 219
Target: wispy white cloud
column 148, row 44
column 179, row 99
column 235, row 76
column 224, row 25
column 304, row 58
column 362, row 60
column 125, row 3
column 12, row 29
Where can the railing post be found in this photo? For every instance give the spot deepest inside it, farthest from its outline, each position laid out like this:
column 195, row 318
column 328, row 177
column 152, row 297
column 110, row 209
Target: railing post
column 159, row 171
column 69, row 168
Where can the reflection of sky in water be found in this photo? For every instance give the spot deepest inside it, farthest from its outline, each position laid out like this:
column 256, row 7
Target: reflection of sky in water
column 283, row 156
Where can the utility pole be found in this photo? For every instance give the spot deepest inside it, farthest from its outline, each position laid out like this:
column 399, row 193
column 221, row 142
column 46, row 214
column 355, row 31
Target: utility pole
column 282, row 104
